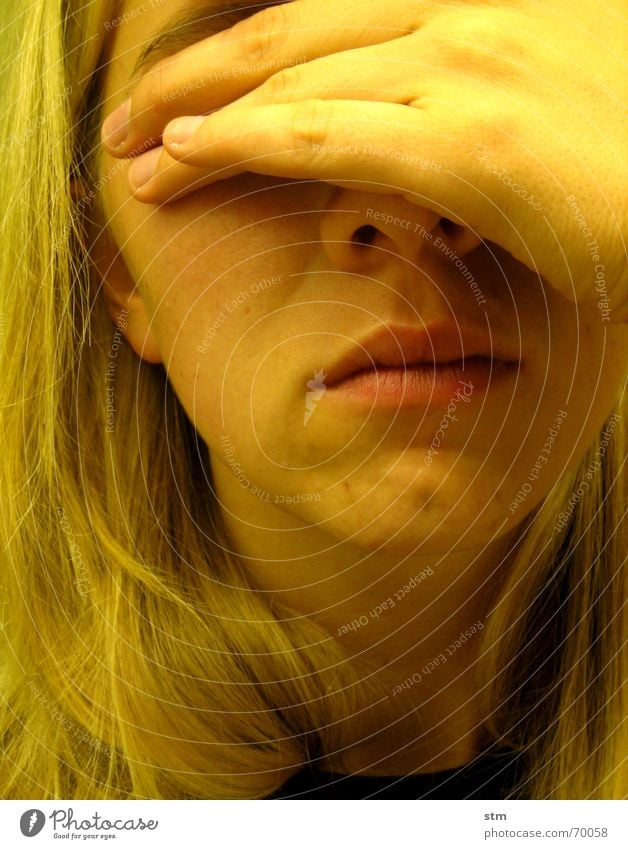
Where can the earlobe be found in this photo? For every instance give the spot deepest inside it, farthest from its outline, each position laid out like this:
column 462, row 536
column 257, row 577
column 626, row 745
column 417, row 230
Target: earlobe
column 124, row 300
column 133, row 321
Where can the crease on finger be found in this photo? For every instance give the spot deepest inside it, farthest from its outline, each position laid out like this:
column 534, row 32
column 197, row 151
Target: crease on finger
column 173, row 180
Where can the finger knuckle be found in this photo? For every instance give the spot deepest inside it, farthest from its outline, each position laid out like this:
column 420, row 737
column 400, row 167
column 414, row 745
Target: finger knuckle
column 289, row 81
column 488, row 46
column 499, row 127
column 261, row 37
column 154, row 95
column 311, row 122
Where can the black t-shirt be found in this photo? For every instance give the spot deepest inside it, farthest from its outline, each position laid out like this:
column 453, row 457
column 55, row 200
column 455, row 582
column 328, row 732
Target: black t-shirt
column 490, row 776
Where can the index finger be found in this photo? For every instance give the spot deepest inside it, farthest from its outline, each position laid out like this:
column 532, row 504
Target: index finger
column 229, row 63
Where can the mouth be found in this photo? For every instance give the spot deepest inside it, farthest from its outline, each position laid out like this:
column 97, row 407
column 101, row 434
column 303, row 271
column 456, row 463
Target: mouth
column 428, row 366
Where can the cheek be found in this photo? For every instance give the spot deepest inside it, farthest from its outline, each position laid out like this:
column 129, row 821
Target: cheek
column 586, row 364
column 231, row 228
column 218, row 272
column 575, row 386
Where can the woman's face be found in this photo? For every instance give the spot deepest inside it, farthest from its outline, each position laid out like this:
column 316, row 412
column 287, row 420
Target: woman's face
column 255, row 288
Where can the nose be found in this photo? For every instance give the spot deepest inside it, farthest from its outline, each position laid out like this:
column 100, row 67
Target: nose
column 362, row 231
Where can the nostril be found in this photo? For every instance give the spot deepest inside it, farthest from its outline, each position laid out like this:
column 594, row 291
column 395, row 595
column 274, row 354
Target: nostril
column 449, row 227
column 364, row 235
column 459, row 237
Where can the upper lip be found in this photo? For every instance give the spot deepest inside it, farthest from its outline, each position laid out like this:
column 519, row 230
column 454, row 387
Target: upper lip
column 392, row 346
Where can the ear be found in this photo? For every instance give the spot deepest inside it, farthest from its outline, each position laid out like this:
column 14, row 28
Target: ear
column 123, row 297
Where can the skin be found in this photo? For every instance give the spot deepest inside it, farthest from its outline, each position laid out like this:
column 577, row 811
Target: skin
column 335, row 516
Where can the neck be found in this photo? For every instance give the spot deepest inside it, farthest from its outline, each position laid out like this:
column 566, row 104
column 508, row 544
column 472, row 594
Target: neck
column 411, row 618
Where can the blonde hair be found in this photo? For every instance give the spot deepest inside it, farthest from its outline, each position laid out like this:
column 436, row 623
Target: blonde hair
column 137, row 660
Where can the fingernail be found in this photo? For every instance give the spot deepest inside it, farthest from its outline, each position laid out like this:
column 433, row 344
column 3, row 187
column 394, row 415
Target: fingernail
column 182, row 130
column 116, row 126
column 143, row 167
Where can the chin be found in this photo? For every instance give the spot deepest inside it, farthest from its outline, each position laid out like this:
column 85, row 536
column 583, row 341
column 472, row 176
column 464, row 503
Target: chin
column 422, row 539
column 437, row 518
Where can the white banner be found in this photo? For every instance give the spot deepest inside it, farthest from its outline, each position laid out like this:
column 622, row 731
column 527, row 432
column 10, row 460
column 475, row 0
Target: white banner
column 313, row 824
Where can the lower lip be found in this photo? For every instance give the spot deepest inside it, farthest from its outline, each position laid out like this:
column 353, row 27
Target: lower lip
column 423, row 385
